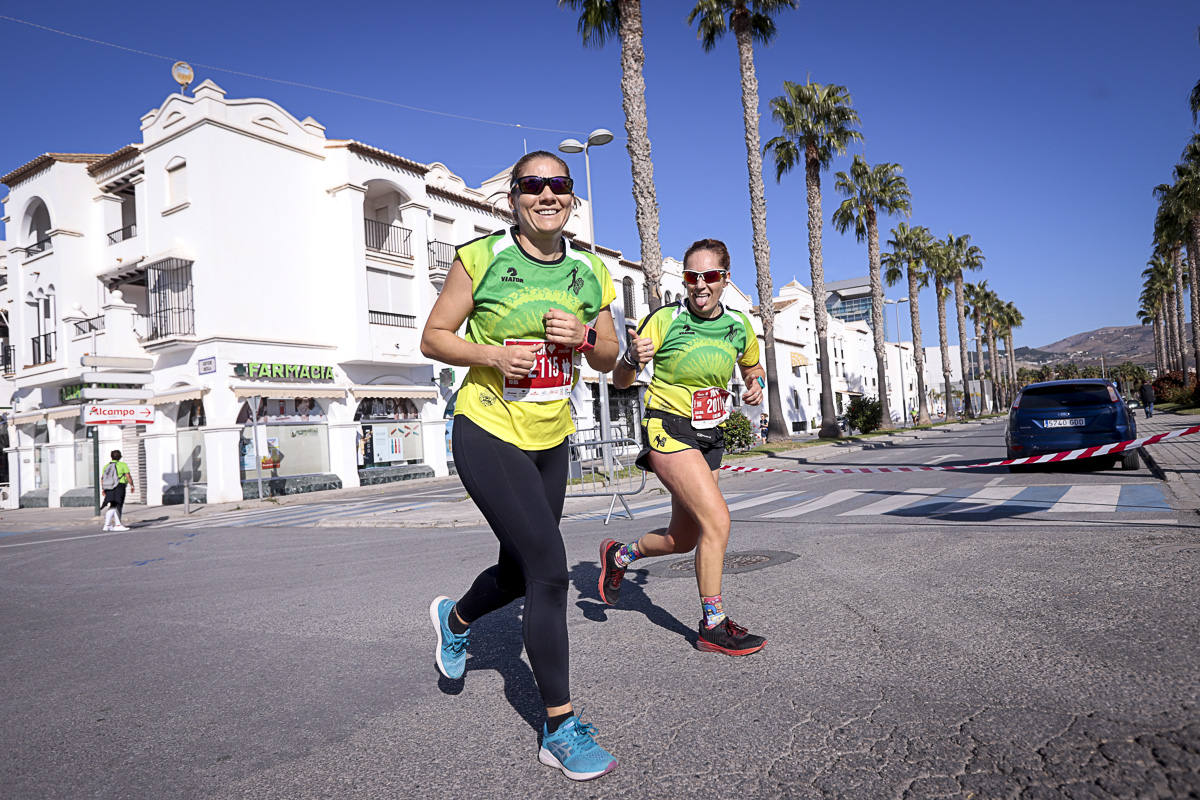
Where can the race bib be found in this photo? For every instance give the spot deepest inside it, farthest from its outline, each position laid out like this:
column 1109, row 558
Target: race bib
column 710, row 407
column 548, row 379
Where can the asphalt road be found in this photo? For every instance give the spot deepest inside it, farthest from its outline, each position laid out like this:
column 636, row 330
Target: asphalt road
column 953, row 635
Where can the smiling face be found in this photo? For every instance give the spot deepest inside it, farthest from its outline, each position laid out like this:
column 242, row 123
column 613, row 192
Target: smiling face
column 545, row 213
column 704, row 296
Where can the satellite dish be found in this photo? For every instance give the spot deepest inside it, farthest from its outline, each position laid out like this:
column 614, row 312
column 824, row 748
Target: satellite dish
column 182, row 72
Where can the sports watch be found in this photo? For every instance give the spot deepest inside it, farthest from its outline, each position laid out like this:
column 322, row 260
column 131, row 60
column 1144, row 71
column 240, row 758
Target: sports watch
column 589, row 340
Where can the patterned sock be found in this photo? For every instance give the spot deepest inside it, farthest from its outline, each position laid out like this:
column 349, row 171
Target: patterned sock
column 628, row 554
column 714, row 611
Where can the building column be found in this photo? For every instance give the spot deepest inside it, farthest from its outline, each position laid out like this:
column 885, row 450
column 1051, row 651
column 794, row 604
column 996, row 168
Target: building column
column 224, row 470
column 343, row 451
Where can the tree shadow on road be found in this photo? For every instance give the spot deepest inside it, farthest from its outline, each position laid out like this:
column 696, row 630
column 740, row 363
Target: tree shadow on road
column 586, row 577
column 496, row 644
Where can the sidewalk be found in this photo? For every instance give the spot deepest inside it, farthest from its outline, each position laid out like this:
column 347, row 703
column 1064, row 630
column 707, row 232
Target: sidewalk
column 1176, row 461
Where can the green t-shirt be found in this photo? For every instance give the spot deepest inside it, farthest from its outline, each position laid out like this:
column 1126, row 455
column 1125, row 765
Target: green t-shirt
column 512, row 291
column 693, row 353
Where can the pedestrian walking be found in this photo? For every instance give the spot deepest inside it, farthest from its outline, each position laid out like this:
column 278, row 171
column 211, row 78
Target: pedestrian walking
column 114, row 478
column 763, row 426
column 695, row 345
column 532, row 303
column 1146, row 393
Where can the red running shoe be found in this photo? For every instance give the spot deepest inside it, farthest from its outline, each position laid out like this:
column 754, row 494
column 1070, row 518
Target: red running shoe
column 610, row 574
column 729, row 638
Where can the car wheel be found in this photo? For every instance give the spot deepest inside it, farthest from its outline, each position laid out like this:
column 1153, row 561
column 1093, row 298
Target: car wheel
column 1129, row 460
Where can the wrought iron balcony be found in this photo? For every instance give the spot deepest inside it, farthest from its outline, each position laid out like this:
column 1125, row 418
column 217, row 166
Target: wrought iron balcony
column 391, row 239
column 388, row 318
column 441, row 257
column 42, row 349
column 89, row 325
column 8, row 359
column 40, row 246
column 121, row 234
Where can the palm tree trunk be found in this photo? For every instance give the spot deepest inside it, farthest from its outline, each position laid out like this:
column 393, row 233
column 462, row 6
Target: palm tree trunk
column 1168, row 330
column 994, row 366
column 885, row 411
column 960, row 311
column 1160, row 344
column 983, row 404
column 918, row 350
column 1012, row 362
column 1180, row 319
column 637, row 144
column 939, row 290
column 812, row 180
column 1193, row 248
column 777, row 429
column 1173, row 321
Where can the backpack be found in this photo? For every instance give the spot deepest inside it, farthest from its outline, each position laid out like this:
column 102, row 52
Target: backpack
column 110, row 479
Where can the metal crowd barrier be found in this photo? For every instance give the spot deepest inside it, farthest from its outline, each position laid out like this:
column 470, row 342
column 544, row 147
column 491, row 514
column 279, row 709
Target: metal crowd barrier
column 604, row 468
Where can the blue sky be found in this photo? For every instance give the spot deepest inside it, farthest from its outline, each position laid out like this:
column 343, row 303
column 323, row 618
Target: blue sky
column 1040, row 128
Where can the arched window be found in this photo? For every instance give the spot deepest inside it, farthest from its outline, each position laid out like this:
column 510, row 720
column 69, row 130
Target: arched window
column 37, row 227
column 630, row 299
column 176, row 181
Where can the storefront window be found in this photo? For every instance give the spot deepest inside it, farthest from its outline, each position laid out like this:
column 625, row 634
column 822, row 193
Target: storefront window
column 293, row 438
column 390, row 433
column 84, row 474
column 41, row 453
column 189, row 442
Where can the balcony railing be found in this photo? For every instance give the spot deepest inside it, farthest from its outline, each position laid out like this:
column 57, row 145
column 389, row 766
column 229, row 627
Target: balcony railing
column 391, row 239
column 89, row 325
column 395, row 320
column 40, row 246
column 121, row 234
column 441, row 257
column 8, row 359
column 42, row 348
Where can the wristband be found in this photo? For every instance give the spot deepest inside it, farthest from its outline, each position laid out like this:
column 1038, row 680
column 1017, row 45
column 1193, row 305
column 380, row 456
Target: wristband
column 629, row 362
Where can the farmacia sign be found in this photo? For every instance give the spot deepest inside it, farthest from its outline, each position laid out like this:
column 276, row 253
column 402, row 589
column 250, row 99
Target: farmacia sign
column 287, row 372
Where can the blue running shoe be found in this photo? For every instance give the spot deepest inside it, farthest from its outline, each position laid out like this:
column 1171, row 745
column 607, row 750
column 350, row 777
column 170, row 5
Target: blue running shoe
column 451, row 652
column 573, row 749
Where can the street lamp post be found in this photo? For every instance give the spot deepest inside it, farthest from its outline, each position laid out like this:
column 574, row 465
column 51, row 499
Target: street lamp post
column 900, row 357
column 600, row 136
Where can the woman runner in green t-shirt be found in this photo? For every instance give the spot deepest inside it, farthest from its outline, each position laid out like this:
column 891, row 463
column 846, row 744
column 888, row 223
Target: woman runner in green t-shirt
column 527, row 297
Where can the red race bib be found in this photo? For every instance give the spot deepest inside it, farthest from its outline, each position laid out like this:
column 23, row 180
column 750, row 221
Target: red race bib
column 550, row 377
column 710, row 407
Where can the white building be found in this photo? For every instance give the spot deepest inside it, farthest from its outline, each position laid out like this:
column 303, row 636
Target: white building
column 279, row 281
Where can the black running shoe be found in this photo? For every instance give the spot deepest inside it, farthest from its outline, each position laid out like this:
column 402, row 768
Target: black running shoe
column 729, row 638
column 610, row 574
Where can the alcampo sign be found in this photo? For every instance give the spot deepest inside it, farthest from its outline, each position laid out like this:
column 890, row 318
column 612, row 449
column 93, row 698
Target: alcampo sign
column 289, row 372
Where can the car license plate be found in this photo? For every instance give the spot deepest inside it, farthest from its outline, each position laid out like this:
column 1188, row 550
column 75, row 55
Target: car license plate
column 1073, row 422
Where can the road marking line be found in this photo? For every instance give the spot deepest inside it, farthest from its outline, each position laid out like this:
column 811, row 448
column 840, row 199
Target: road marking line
column 899, row 500
column 761, row 499
column 940, row 459
column 833, row 498
column 1088, row 499
column 988, row 497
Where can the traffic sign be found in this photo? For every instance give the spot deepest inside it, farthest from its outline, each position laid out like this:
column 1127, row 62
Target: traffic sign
column 101, row 393
column 93, row 414
column 118, row 362
column 135, row 378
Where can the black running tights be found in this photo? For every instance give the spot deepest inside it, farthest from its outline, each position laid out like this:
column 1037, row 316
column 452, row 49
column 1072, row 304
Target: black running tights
column 520, row 493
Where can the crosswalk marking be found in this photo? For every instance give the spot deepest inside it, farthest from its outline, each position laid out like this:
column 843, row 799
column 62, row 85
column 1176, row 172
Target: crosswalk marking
column 833, row 498
column 985, row 498
column 1088, row 499
column 762, row 500
column 896, row 501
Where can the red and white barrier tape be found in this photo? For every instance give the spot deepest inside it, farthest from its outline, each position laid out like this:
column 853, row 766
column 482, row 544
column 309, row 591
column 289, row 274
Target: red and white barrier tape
column 1047, row 458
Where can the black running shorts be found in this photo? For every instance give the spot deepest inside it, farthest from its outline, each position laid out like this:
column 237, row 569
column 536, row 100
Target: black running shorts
column 672, row 433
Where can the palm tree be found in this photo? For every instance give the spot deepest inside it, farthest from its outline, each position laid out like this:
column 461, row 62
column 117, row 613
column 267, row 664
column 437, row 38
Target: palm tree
column 816, row 121
column 940, row 260
column 1187, row 195
column 599, row 20
column 868, row 191
column 1012, row 318
column 1154, row 299
column 966, row 257
column 908, row 254
column 975, row 294
column 751, row 21
column 1170, row 233
column 989, row 310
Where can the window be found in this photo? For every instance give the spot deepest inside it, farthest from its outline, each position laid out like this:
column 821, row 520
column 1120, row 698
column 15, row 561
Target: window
column 629, row 298
column 37, row 227
column 169, row 286
column 389, row 298
column 176, row 182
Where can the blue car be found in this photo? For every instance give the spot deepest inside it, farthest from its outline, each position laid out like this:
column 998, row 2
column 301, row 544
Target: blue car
column 1054, row 416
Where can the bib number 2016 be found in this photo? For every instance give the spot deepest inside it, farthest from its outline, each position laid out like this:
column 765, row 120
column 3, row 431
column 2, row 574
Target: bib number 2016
column 548, row 379
column 710, row 407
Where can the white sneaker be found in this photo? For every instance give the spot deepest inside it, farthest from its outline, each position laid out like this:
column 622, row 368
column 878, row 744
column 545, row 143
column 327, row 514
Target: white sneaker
column 120, row 528
column 106, row 528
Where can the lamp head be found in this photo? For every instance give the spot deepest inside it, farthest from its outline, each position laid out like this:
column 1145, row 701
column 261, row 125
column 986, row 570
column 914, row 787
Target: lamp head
column 570, row 146
column 600, row 136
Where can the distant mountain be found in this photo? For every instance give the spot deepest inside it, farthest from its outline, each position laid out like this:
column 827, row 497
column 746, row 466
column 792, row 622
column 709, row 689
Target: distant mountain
column 1116, row 344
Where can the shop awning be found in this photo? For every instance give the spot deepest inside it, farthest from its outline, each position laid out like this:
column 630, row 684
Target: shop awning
column 386, row 390
column 26, row 417
column 62, row 412
column 180, row 393
column 798, row 359
column 274, row 390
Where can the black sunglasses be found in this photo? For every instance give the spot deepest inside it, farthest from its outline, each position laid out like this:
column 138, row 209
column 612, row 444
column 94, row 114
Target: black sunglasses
column 691, row 277
column 533, row 184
